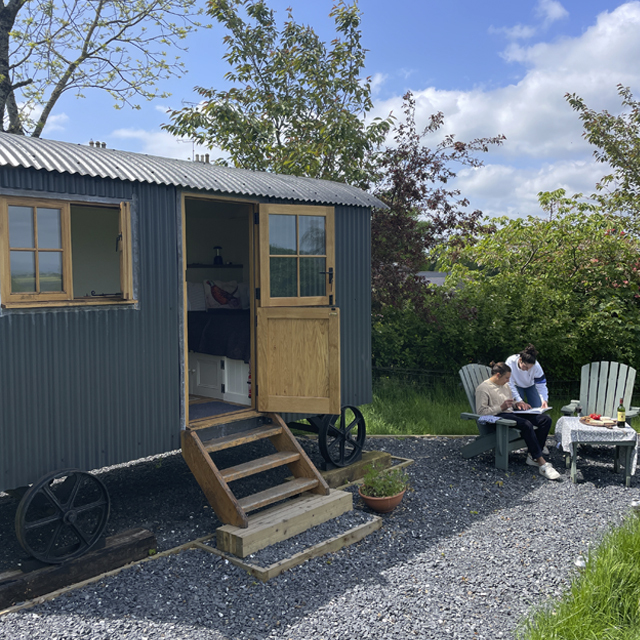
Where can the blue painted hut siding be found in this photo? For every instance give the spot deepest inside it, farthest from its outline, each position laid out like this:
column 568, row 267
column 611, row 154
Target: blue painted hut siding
column 94, row 386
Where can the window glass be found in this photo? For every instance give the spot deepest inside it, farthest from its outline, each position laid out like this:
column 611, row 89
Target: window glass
column 21, row 232
column 312, row 281
column 284, row 281
column 50, row 267
column 49, row 229
column 312, row 235
column 23, row 272
column 282, row 235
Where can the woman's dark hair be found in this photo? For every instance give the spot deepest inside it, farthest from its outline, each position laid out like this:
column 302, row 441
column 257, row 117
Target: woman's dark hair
column 499, row 367
column 529, row 355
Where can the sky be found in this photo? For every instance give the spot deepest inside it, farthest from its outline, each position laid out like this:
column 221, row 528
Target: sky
column 492, row 67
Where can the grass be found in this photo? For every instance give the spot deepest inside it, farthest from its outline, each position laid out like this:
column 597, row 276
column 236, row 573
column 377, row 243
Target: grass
column 603, row 601
column 402, row 407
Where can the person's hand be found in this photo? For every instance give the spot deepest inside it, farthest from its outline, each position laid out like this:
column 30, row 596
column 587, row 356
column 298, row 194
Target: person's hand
column 544, row 404
column 506, row 404
column 524, row 406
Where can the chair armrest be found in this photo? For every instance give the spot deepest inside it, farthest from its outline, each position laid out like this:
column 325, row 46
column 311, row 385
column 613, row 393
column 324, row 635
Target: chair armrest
column 633, row 412
column 475, row 416
column 571, row 408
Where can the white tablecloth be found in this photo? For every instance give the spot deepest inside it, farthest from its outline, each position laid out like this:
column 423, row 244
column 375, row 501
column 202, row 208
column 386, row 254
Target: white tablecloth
column 569, row 430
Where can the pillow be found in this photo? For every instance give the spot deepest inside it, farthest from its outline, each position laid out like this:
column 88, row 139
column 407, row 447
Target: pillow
column 195, row 297
column 221, row 295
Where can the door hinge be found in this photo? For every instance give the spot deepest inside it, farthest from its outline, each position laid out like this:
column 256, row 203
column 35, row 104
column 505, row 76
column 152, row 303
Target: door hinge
column 258, row 293
column 222, row 388
column 256, row 217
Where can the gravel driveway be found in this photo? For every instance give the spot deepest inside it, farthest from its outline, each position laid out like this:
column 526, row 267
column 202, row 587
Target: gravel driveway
column 465, row 556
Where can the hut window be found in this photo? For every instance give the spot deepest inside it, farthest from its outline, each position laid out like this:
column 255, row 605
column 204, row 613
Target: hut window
column 59, row 253
column 297, row 268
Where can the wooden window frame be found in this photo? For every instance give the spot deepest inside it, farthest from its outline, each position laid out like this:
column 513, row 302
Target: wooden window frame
column 265, row 283
column 63, row 298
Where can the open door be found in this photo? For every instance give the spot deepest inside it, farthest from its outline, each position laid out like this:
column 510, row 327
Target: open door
column 298, row 325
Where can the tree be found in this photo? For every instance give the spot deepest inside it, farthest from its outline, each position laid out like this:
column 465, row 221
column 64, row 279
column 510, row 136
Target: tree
column 50, row 47
column 617, row 139
column 296, row 105
column 424, row 212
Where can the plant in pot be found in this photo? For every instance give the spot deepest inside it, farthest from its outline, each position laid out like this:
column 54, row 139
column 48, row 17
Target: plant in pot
column 383, row 489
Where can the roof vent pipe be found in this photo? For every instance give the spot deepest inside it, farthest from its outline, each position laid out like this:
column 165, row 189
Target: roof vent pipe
column 206, row 158
column 104, row 145
column 91, row 142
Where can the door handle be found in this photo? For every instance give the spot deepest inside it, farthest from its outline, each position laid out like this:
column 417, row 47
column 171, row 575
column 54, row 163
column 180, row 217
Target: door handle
column 329, row 273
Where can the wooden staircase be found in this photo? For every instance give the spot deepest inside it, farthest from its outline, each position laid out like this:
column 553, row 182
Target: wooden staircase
column 214, row 482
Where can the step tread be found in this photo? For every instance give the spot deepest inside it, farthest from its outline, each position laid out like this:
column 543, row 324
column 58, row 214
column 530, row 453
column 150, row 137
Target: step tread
column 277, row 493
column 243, row 437
column 226, row 418
column 259, row 464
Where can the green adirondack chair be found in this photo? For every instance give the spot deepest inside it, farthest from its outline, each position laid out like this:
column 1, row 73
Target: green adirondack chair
column 602, row 384
column 497, row 436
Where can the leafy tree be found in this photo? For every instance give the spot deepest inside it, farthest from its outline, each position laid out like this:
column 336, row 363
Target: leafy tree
column 296, row 106
column 617, row 139
column 424, row 212
column 49, row 47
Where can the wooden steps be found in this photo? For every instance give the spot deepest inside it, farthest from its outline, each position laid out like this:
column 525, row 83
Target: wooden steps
column 215, row 482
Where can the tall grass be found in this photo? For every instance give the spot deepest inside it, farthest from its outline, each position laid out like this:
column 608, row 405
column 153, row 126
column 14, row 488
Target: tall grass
column 603, row 602
column 409, row 407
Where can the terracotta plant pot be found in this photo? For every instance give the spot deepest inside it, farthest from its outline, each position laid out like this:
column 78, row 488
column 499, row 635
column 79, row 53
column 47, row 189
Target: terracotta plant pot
column 382, row 505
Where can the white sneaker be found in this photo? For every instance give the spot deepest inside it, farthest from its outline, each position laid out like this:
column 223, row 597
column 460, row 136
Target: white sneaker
column 548, row 472
column 531, row 461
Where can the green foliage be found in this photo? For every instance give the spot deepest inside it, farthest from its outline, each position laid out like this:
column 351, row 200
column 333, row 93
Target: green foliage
column 52, row 47
column 297, row 105
column 382, row 483
column 603, row 601
column 617, row 142
column 569, row 285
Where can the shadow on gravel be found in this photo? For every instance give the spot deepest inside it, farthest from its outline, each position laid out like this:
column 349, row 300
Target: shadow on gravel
column 200, row 591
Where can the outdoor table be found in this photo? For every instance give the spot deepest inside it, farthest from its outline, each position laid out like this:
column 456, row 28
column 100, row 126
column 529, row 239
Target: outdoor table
column 570, row 432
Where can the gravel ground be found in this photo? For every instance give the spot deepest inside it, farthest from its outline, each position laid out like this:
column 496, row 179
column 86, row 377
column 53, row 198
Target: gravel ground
column 466, row 555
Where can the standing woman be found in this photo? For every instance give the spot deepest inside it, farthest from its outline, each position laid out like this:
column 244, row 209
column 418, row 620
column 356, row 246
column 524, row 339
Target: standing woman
column 493, row 398
column 528, row 383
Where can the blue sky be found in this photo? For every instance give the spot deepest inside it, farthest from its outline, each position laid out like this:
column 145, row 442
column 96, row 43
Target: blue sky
column 492, row 67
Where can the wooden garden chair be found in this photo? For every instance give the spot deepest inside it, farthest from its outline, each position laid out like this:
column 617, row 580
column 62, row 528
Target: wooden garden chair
column 602, row 384
column 497, row 436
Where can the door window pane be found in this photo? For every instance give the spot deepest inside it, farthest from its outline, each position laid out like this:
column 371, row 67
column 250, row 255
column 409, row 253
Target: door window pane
column 21, row 234
column 50, row 265
column 284, row 281
column 282, row 235
column 49, row 229
column 312, row 281
column 23, row 272
column 312, row 235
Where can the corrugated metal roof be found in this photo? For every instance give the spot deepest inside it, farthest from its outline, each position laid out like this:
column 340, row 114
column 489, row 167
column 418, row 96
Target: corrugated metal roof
column 66, row 157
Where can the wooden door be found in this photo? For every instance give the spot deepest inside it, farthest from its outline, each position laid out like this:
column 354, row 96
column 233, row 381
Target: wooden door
column 298, row 324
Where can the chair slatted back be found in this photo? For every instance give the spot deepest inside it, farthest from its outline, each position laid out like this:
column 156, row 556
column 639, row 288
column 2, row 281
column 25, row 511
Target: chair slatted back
column 472, row 375
column 602, row 384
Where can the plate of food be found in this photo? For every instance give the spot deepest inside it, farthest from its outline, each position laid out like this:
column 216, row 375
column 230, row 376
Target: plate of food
column 596, row 420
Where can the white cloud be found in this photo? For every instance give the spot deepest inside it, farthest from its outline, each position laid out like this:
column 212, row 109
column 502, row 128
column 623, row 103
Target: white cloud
column 550, row 11
column 517, row 32
column 162, row 143
column 544, row 148
column 56, row 122
column 377, row 81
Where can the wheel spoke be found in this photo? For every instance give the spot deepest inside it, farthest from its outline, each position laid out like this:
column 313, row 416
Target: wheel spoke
column 41, row 523
column 74, row 492
column 54, row 537
column 53, row 499
column 101, row 502
column 80, row 533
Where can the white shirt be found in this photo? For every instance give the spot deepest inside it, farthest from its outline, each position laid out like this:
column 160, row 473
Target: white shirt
column 525, row 379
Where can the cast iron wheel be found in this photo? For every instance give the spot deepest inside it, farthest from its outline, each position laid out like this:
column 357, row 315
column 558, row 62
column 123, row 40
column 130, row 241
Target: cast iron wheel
column 62, row 515
column 342, row 437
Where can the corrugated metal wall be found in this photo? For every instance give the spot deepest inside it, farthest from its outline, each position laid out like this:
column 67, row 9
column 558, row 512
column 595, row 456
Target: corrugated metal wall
column 94, row 386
